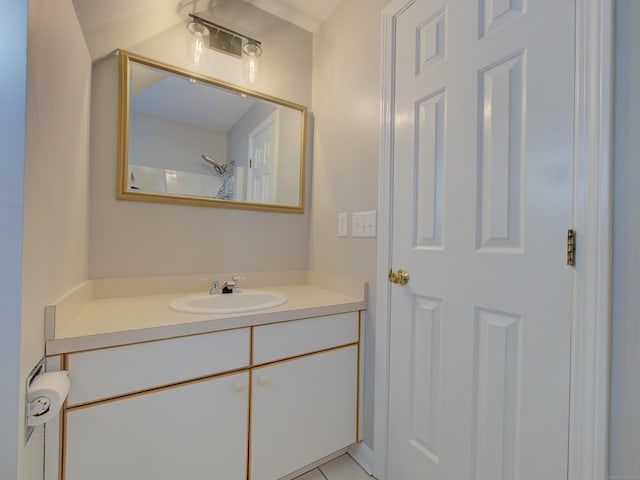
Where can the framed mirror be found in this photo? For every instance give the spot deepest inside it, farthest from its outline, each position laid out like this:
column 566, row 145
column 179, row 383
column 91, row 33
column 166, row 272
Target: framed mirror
column 188, row 139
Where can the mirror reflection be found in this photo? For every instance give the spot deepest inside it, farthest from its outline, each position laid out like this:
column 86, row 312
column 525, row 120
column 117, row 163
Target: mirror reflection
column 193, row 140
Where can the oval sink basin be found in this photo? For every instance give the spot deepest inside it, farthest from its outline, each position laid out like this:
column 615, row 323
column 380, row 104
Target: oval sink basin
column 237, row 302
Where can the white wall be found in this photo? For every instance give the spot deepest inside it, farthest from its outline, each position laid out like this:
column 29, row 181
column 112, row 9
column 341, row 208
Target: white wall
column 624, row 452
column 54, row 231
column 13, row 71
column 57, row 149
column 346, row 103
column 134, row 238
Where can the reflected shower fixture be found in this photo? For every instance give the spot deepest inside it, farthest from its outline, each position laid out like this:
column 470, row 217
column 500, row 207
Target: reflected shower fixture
column 206, row 34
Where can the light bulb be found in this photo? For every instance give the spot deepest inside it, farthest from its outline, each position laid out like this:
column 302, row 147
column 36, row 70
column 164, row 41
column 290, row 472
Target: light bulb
column 198, row 51
column 198, row 43
column 251, row 53
column 252, row 70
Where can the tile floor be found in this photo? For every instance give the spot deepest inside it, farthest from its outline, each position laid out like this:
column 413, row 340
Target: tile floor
column 342, row 468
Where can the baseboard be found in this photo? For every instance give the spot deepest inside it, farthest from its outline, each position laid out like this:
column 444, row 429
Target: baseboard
column 314, row 465
column 363, row 454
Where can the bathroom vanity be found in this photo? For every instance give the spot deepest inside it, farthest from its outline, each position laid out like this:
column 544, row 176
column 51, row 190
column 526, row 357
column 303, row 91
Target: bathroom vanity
column 263, row 395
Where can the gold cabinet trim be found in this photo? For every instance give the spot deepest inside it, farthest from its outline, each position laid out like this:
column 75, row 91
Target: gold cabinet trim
column 159, row 388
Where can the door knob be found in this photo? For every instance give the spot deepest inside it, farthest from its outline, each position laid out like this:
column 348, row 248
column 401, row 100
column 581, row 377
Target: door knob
column 401, row 277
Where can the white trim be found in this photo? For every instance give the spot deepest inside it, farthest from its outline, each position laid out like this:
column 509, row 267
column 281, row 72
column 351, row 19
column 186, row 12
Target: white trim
column 363, row 455
column 592, row 216
column 272, row 119
column 588, row 429
column 385, row 195
column 314, row 465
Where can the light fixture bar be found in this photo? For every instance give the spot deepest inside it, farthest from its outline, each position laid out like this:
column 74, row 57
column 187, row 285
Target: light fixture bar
column 207, row 34
column 209, row 23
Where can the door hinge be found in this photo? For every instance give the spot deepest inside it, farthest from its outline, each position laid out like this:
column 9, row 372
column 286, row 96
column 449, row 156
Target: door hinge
column 571, row 247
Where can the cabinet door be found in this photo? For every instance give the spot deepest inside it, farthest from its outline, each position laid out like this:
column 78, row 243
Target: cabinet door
column 302, row 410
column 192, row 431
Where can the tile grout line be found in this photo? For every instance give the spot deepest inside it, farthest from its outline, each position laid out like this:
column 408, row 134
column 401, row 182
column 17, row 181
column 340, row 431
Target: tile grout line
column 323, row 475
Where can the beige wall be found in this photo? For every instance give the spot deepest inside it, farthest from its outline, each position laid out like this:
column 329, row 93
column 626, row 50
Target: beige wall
column 140, row 239
column 55, row 243
column 625, row 354
column 346, row 103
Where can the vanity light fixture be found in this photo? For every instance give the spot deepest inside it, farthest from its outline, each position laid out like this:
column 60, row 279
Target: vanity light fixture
column 251, row 53
column 198, row 43
column 206, row 34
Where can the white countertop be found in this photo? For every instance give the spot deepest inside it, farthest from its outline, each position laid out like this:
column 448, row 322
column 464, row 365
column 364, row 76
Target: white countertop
column 108, row 322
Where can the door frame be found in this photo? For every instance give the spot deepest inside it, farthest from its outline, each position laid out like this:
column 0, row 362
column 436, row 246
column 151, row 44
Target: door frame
column 592, row 221
column 273, row 118
column 13, row 64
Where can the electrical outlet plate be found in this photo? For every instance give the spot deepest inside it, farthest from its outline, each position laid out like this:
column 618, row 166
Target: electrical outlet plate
column 364, row 224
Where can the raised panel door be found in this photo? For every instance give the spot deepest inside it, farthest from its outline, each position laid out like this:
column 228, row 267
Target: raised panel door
column 482, row 200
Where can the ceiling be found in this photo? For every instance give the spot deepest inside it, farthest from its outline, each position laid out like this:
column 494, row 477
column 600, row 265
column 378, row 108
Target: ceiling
column 307, row 14
column 112, row 24
column 178, row 99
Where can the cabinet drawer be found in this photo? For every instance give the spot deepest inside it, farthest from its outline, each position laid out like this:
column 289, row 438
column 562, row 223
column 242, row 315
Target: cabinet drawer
column 116, row 371
column 289, row 339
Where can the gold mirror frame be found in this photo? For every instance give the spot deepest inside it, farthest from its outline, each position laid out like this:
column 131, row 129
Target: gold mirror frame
column 122, row 183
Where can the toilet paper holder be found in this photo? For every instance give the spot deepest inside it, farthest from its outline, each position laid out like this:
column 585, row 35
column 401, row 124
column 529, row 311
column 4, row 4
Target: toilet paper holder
column 35, row 371
column 46, row 396
column 39, row 406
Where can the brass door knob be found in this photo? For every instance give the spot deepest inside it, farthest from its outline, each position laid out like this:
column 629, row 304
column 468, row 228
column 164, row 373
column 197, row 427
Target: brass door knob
column 401, row 277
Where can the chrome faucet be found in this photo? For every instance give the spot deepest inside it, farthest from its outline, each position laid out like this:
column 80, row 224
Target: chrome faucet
column 228, row 287
column 215, row 288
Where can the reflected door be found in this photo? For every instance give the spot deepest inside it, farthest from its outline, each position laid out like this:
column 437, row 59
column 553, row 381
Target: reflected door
column 483, row 168
column 263, row 149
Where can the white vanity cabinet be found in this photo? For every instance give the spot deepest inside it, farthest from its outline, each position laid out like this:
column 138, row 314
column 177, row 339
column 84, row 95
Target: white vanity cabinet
column 304, row 401
column 301, row 411
column 185, row 432
column 252, row 403
column 159, row 410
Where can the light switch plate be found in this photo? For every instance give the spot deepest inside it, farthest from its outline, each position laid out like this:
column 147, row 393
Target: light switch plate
column 363, row 224
column 343, row 224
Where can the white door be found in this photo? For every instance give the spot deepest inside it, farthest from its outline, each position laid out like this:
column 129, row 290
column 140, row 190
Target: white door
column 263, row 151
column 482, row 192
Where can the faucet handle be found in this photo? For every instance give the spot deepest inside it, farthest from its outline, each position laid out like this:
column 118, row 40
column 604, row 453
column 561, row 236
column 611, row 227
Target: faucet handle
column 215, row 287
